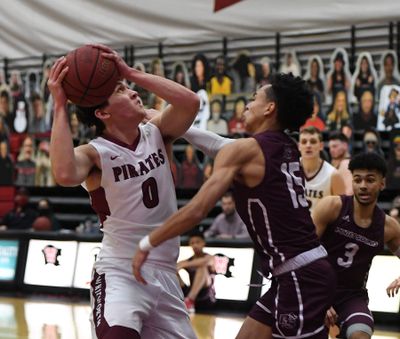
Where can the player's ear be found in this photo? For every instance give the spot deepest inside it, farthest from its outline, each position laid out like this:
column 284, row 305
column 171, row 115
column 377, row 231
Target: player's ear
column 270, row 107
column 101, row 114
column 383, row 184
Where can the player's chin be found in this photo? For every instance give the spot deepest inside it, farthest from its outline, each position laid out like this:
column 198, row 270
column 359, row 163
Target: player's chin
column 309, row 155
column 365, row 199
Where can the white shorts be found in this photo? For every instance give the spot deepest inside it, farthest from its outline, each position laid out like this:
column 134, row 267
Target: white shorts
column 155, row 310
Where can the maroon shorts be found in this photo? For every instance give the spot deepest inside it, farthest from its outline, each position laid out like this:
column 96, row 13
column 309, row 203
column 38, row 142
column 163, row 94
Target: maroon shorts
column 296, row 304
column 353, row 313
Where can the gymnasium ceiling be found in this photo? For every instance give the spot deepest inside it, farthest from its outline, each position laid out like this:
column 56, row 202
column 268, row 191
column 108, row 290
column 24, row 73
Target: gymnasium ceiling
column 34, row 27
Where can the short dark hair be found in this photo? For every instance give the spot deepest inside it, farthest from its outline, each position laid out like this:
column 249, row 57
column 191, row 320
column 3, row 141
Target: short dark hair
column 196, row 233
column 294, row 100
column 369, row 161
column 228, row 194
column 388, row 56
column 87, row 117
column 338, row 136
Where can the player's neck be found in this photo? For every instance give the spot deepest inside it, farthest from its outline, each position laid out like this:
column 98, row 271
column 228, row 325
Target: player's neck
column 268, row 125
column 311, row 166
column 363, row 213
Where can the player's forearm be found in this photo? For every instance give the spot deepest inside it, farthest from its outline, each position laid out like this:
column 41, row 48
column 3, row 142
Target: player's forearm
column 172, row 92
column 208, row 142
column 193, row 213
column 61, row 148
column 182, row 221
column 198, row 208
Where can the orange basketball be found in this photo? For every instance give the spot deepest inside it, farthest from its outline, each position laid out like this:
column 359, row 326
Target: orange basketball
column 42, row 224
column 91, row 78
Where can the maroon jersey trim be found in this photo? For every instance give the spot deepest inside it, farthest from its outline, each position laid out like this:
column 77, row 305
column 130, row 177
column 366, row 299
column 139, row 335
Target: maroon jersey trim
column 114, row 140
column 99, row 203
column 313, row 176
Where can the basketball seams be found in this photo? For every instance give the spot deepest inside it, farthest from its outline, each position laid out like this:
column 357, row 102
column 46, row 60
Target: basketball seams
column 90, row 81
column 67, row 83
column 106, row 80
column 75, row 98
column 91, row 76
column 76, row 68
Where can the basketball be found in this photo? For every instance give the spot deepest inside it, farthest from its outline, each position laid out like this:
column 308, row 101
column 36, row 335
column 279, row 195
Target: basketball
column 91, row 78
column 42, row 224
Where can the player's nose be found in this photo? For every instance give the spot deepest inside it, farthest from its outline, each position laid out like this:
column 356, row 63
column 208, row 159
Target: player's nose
column 133, row 94
column 363, row 185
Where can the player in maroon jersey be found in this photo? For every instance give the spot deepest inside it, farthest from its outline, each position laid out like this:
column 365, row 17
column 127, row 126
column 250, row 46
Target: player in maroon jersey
column 269, row 192
column 353, row 230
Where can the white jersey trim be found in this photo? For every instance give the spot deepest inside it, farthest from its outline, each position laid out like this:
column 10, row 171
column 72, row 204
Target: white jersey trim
column 268, row 228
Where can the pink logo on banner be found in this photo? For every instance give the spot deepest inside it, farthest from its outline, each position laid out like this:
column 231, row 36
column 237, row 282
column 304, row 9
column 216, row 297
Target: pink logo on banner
column 51, row 254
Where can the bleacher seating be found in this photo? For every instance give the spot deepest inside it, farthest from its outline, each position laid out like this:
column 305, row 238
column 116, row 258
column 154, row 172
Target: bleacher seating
column 72, row 206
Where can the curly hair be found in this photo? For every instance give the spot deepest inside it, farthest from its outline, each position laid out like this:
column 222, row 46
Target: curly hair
column 293, row 98
column 368, row 161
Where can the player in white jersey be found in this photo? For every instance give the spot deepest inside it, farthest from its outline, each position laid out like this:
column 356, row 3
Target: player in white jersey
column 322, row 179
column 126, row 170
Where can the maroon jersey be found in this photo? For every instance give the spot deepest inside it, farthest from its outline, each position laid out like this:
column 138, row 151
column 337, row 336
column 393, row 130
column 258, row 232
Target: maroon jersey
column 350, row 247
column 276, row 211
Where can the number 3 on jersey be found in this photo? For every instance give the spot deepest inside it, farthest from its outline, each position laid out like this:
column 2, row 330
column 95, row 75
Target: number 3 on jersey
column 351, row 250
column 150, row 193
column 293, row 180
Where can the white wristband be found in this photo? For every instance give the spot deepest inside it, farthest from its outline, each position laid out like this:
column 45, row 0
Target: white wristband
column 145, row 244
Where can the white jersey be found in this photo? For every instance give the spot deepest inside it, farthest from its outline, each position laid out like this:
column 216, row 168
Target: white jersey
column 137, row 195
column 319, row 185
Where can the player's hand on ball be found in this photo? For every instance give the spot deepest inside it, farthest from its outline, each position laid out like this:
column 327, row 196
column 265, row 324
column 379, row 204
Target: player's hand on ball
column 393, row 288
column 330, row 317
column 109, row 53
column 56, row 76
column 137, row 262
